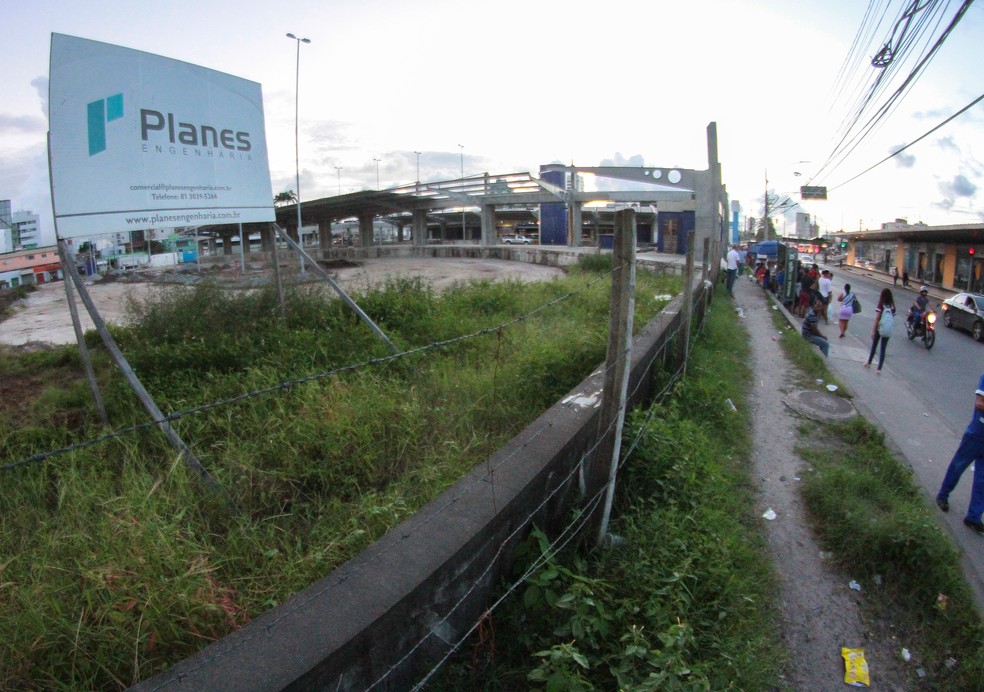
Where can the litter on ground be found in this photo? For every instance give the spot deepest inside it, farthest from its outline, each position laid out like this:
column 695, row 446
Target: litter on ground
column 770, row 514
column 855, row 668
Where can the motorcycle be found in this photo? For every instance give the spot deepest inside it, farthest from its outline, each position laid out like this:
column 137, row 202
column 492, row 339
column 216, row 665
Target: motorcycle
column 925, row 328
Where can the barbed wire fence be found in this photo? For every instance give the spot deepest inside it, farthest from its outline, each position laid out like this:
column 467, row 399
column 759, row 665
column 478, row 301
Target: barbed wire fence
column 288, row 384
column 563, row 538
column 568, row 533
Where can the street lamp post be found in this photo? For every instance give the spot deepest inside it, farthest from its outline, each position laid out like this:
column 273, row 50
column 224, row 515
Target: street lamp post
column 418, row 171
column 338, row 171
column 377, row 172
column 461, row 147
column 297, row 145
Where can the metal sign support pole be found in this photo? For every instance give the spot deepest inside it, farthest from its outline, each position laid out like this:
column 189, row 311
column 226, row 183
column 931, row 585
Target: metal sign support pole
column 148, row 403
column 276, row 273
column 342, row 294
column 77, row 324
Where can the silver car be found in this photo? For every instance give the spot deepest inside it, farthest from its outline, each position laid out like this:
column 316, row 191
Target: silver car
column 966, row 311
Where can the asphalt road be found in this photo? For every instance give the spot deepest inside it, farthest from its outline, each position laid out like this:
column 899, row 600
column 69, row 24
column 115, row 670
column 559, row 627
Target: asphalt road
column 944, row 377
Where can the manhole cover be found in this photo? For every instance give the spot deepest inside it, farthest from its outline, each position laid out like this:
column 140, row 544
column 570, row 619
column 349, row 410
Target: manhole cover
column 821, row 405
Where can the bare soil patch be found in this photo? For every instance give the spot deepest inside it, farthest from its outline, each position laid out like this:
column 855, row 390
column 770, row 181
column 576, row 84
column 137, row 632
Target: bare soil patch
column 44, row 315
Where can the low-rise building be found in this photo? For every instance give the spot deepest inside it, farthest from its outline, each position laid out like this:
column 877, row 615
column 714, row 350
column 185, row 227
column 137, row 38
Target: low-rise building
column 950, row 257
column 34, row 266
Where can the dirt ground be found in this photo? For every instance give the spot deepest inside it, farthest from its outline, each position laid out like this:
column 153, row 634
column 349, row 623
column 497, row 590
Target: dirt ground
column 44, row 317
column 820, row 610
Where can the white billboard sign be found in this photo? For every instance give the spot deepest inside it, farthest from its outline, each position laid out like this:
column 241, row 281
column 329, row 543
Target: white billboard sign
column 139, row 141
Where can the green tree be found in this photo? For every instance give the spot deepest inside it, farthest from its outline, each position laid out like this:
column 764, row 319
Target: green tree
column 284, row 198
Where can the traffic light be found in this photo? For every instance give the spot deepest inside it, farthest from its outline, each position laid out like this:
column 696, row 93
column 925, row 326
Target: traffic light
column 843, row 243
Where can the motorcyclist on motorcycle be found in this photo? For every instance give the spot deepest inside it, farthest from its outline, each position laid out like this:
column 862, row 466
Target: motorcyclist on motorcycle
column 921, row 307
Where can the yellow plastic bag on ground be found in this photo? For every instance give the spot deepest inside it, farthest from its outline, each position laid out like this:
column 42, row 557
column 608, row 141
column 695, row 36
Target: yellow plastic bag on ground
column 855, row 668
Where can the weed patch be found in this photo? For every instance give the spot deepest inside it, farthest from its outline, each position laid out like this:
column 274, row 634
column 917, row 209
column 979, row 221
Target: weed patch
column 113, row 563
column 685, row 601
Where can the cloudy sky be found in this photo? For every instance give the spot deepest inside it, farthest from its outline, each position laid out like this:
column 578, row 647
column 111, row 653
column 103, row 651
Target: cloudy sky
column 520, row 83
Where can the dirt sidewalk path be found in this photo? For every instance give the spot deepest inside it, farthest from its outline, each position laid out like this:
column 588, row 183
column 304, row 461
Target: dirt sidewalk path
column 820, row 612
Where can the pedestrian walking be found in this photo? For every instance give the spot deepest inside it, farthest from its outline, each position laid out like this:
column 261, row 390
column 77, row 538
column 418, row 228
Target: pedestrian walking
column 824, row 287
column 905, row 279
column 810, row 330
column 733, row 259
column 882, row 331
column 895, row 276
column 847, row 299
column 970, row 451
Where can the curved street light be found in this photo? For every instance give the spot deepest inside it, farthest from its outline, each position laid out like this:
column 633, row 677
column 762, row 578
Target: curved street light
column 297, row 145
column 464, row 234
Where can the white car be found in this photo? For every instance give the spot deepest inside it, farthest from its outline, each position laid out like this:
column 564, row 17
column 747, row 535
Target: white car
column 518, row 240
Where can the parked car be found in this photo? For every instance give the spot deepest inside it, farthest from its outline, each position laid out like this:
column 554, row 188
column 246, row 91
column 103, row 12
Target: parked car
column 518, row 240
column 966, row 311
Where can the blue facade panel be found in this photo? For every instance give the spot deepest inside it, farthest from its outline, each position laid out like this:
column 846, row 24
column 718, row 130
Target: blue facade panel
column 673, row 229
column 553, row 216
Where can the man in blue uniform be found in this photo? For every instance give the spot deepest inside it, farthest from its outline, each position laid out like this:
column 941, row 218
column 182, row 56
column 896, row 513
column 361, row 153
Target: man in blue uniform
column 970, row 451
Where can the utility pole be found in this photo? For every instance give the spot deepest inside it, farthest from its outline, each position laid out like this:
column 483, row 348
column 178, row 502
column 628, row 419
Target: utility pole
column 765, row 216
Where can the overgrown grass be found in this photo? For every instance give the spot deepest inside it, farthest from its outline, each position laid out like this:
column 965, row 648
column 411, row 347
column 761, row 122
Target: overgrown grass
column 687, row 601
column 115, row 562
column 868, row 512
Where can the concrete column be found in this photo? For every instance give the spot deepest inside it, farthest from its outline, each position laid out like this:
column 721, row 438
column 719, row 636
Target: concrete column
column 705, row 219
column 266, row 238
column 211, row 246
column 419, row 227
column 324, row 234
column 292, row 232
column 489, row 232
column 366, row 235
column 245, row 243
column 227, row 243
column 575, row 228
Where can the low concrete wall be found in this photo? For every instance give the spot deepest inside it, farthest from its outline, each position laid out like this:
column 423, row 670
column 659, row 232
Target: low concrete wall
column 389, row 614
column 552, row 256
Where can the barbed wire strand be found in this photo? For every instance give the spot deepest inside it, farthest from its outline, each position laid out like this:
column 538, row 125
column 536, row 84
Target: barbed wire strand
column 451, row 501
column 564, row 537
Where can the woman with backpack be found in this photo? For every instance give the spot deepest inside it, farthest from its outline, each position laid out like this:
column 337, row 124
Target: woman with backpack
column 884, row 323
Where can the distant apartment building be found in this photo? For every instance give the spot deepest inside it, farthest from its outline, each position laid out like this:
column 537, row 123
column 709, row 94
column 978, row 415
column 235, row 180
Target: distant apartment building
column 805, row 229
column 25, row 230
column 6, row 230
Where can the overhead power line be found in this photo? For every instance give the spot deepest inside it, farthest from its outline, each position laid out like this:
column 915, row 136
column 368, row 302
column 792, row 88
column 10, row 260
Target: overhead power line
column 922, row 137
column 929, row 12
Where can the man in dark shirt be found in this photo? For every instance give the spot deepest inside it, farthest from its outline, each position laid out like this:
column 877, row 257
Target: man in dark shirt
column 810, row 330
